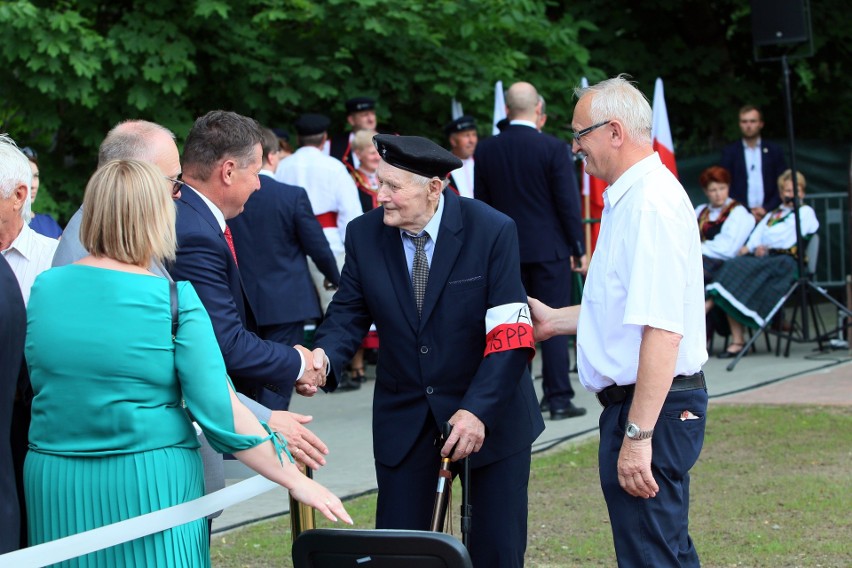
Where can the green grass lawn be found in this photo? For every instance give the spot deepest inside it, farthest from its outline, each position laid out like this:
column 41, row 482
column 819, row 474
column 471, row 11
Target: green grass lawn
column 773, row 488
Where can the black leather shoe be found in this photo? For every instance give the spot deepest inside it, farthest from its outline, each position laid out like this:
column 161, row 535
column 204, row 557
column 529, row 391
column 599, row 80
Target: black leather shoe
column 346, row 384
column 570, row 411
column 730, row 354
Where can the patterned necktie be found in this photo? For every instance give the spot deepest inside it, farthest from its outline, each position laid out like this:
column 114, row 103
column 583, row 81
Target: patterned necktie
column 230, row 240
column 419, row 270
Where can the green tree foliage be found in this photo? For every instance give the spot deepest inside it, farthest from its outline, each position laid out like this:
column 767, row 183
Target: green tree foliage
column 74, row 68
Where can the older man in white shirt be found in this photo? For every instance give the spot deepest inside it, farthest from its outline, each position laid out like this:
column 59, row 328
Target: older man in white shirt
column 641, row 335
column 27, row 252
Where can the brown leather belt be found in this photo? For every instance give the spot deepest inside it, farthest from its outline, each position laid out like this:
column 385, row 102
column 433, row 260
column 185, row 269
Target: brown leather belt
column 617, row 393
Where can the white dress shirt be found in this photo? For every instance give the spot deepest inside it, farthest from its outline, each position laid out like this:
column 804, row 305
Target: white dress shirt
column 464, row 178
column 646, row 270
column 782, row 234
column 733, row 235
column 330, row 188
column 29, row 255
column 754, row 171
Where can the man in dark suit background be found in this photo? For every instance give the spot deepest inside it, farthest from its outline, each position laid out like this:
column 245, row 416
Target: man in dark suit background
column 529, row 176
column 445, row 293
column 754, row 164
column 13, row 330
column 272, row 235
column 221, row 161
column 360, row 115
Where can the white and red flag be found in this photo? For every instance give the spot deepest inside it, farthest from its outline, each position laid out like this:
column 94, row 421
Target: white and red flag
column 661, row 132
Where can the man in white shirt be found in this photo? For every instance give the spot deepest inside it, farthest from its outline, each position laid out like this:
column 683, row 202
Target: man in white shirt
column 333, row 195
column 27, row 252
column 641, row 335
column 462, row 136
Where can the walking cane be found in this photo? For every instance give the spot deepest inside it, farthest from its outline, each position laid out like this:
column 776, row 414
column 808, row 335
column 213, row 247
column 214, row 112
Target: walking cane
column 302, row 517
column 444, row 489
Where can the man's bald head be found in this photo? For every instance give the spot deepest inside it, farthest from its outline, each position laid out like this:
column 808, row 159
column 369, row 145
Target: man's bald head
column 144, row 141
column 522, row 102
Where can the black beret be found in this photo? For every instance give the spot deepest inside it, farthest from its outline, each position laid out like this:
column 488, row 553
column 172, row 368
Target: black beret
column 281, row 133
column 460, row 124
column 357, row 104
column 310, row 124
column 415, row 154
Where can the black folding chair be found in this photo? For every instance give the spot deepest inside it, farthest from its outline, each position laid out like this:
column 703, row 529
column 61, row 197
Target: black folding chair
column 353, row 548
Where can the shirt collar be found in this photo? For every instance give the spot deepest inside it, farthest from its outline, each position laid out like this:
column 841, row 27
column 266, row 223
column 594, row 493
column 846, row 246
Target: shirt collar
column 220, row 217
column 524, row 123
column 24, row 243
column 267, row 173
column 636, row 172
column 434, row 223
column 747, row 147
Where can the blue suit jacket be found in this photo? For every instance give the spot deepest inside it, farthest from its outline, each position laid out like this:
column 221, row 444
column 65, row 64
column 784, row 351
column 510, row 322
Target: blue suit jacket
column 434, row 365
column 203, row 258
column 272, row 235
column 530, row 177
column 773, row 165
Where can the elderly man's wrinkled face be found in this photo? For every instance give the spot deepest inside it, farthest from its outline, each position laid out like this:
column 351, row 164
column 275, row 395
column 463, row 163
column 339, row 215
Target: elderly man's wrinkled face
column 407, row 205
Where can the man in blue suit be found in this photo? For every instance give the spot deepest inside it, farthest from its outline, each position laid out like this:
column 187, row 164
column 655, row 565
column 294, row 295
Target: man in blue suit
column 529, row 176
column 445, row 292
column 221, row 161
column 754, row 165
column 272, row 235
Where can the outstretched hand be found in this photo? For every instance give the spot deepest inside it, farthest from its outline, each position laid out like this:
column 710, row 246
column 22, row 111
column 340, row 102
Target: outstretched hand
column 315, row 371
column 311, row 493
column 305, row 446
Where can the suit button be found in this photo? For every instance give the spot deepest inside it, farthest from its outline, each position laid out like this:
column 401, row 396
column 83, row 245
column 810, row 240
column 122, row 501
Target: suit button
column 424, row 350
column 429, row 390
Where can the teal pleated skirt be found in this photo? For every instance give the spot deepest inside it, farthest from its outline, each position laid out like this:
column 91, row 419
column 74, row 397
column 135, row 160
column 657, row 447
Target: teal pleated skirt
column 67, row 495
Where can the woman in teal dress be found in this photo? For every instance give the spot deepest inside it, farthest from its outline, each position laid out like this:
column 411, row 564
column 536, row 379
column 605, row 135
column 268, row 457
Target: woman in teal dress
column 110, row 437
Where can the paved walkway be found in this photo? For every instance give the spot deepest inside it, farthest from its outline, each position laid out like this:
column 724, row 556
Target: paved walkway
column 342, row 420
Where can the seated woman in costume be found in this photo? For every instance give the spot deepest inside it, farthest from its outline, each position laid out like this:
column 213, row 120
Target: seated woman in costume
column 111, row 435
column 748, row 286
column 723, row 223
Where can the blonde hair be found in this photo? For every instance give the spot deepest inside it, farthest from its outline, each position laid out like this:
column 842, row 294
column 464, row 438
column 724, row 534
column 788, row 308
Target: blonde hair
column 128, row 214
column 801, row 182
column 363, row 139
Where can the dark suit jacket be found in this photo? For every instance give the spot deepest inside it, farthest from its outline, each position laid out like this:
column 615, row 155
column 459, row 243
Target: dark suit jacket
column 435, row 365
column 203, row 258
column 272, row 235
column 341, row 149
column 530, row 177
column 13, row 330
column 773, row 165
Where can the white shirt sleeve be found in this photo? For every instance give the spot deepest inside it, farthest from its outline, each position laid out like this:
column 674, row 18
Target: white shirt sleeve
column 734, row 233
column 348, row 206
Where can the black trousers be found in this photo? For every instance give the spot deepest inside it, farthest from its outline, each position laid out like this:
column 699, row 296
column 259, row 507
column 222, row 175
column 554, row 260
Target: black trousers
column 498, row 536
column 550, row 282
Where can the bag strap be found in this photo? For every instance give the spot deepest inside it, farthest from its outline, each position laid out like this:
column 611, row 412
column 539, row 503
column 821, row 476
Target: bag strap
column 173, row 297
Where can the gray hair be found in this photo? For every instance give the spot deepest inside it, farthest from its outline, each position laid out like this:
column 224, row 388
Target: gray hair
column 131, row 140
column 619, row 99
column 14, row 171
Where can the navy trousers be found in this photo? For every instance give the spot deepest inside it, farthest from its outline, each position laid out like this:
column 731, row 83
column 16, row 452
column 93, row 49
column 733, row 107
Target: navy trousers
column 498, row 537
column 654, row 533
column 550, row 282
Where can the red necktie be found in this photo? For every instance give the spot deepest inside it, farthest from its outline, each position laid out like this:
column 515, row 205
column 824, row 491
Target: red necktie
column 230, row 240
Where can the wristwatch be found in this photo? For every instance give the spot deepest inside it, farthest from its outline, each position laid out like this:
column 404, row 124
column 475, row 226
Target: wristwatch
column 634, row 432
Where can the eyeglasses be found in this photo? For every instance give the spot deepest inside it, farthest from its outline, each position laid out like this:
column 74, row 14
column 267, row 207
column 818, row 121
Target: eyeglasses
column 177, row 183
column 29, row 153
column 580, row 134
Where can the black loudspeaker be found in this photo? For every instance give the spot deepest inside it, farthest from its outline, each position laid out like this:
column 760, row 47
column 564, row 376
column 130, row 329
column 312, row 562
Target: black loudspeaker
column 777, row 22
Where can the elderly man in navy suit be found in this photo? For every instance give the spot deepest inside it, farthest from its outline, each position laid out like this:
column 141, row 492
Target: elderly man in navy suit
column 445, row 292
column 755, row 165
column 529, row 176
column 272, row 237
column 221, row 161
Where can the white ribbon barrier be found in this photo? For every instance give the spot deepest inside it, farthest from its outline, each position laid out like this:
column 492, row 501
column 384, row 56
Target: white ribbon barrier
column 137, row 527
